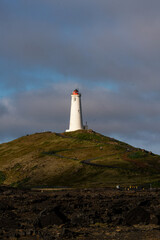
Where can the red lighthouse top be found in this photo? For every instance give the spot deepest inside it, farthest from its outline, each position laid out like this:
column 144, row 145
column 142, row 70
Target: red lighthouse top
column 75, row 92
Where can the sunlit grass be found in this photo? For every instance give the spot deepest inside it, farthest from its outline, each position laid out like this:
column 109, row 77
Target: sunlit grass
column 50, row 159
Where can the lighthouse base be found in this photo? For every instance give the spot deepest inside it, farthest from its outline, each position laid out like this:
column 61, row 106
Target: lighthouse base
column 72, row 130
column 85, row 127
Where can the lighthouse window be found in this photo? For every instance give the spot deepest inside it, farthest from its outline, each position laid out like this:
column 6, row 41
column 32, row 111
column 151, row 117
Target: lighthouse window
column 74, row 99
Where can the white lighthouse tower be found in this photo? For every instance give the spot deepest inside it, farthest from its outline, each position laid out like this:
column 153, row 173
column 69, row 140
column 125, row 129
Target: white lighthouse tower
column 76, row 121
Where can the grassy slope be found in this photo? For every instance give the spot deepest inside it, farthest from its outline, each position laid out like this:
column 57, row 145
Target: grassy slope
column 29, row 161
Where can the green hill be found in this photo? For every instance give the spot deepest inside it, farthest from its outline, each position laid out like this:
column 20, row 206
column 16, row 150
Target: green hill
column 76, row 159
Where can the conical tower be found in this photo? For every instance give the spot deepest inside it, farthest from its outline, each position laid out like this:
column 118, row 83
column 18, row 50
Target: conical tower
column 76, row 121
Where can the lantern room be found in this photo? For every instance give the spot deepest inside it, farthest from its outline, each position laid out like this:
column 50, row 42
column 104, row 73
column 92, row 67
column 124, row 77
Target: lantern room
column 75, row 92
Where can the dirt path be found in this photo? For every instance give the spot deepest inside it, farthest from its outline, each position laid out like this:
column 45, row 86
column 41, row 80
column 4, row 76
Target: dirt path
column 87, row 161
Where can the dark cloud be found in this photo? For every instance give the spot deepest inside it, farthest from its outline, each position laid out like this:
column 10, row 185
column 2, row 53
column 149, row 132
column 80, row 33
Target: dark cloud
column 93, row 41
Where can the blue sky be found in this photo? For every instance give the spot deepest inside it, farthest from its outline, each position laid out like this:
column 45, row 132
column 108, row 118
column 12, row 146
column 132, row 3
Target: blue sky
column 108, row 49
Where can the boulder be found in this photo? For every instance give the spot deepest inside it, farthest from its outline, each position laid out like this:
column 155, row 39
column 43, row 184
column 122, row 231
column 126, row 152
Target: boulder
column 136, row 216
column 51, row 217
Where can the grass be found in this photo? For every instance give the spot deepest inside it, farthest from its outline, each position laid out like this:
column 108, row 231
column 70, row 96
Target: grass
column 2, row 177
column 138, row 154
column 50, row 159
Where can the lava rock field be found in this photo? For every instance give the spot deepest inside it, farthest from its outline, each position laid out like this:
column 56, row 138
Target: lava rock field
column 79, row 214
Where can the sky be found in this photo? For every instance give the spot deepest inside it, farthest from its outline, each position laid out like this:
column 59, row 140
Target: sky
column 108, row 49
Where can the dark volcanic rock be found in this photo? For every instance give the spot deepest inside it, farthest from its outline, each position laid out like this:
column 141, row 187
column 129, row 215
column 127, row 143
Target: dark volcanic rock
column 155, row 219
column 79, row 214
column 5, row 205
column 145, row 203
column 8, row 220
column 137, row 215
column 52, row 217
column 78, row 219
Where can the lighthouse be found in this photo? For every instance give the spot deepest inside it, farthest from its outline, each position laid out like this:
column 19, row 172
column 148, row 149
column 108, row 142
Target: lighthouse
column 76, row 121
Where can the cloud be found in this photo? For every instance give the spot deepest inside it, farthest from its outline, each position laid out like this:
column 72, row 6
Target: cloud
column 3, row 109
column 95, row 41
column 110, row 49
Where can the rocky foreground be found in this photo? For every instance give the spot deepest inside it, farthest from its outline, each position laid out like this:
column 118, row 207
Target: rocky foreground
column 79, row 214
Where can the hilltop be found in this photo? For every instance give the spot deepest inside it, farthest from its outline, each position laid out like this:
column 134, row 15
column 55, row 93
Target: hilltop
column 82, row 158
